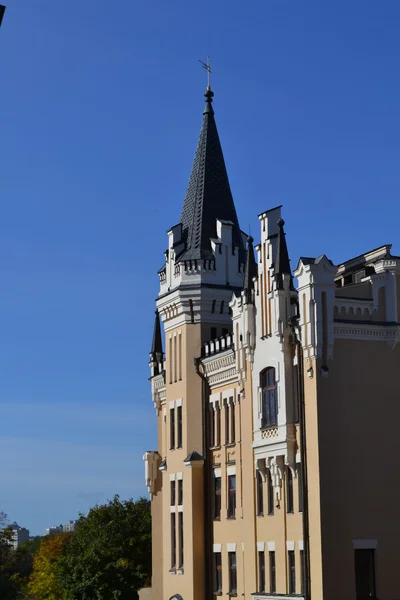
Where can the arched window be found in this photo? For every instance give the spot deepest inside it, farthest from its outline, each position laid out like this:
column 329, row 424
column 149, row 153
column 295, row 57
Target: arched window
column 270, row 495
column 289, row 490
column 269, row 398
column 260, row 495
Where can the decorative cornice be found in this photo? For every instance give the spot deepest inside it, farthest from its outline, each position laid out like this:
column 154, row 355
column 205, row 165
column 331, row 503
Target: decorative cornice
column 220, row 369
column 374, row 333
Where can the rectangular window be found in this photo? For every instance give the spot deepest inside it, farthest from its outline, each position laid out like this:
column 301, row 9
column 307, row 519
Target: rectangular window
column 217, row 497
column 226, row 422
column 175, row 360
column 218, row 572
column 170, row 360
column 364, row 562
column 302, row 572
column 173, row 497
column 292, row 572
column 180, row 355
column 231, row 496
column 232, row 411
column 272, row 573
column 172, row 428
column 260, row 494
column 218, row 426
column 180, row 492
column 213, row 333
column 300, row 484
column 179, row 419
column 173, row 540
column 261, row 571
column 180, row 530
column 232, row 573
column 270, row 495
column 212, row 427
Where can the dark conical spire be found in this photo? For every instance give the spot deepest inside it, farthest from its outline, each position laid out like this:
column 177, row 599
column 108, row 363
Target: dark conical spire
column 209, row 195
column 250, row 270
column 156, row 353
column 282, row 262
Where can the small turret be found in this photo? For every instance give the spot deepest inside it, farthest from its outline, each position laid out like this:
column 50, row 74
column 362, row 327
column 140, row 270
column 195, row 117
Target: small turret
column 156, row 354
column 250, row 272
column 282, row 263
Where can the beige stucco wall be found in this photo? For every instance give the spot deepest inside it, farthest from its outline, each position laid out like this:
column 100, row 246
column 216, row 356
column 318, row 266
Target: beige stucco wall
column 359, row 411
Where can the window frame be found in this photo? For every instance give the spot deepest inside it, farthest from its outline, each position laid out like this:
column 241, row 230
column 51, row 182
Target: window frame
column 292, row 571
column 172, row 428
column 270, row 495
column 232, row 422
column 289, row 491
column 232, row 567
column 269, row 395
column 231, row 497
column 173, row 541
column 180, row 541
column 272, row 571
column 179, row 426
column 217, row 573
column 259, row 494
column 217, row 499
column 172, row 486
column 180, row 492
column 261, row 571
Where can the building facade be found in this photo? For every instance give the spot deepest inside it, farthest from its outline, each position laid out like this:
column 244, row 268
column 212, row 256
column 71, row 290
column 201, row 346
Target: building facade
column 19, row 535
column 275, row 474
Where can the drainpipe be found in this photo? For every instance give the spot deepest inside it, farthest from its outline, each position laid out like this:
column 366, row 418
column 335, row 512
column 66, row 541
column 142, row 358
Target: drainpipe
column 207, row 511
column 294, row 324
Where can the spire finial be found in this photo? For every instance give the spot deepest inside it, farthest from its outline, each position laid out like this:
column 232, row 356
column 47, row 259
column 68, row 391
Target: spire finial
column 207, row 67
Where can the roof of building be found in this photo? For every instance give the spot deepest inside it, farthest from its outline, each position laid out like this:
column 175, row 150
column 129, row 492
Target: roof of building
column 193, row 456
column 208, row 195
column 156, row 347
column 250, row 271
column 282, row 261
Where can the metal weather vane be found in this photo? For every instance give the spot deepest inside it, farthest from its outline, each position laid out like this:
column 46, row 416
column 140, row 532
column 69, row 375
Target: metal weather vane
column 207, row 67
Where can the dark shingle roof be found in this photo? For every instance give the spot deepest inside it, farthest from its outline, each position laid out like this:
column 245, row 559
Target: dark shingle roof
column 250, row 269
column 193, row 456
column 282, row 262
column 156, row 347
column 208, row 195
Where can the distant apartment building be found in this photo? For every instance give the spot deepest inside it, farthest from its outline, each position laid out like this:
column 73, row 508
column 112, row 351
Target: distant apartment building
column 55, row 529
column 70, row 526
column 19, row 535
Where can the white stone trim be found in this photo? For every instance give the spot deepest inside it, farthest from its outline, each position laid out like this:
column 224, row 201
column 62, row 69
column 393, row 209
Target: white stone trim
column 172, row 509
column 301, row 544
column 231, row 547
column 217, row 472
column 179, row 475
column 180, row 507
column 171, row 404
column 217, row 547
column 271, row 546
column 178, row 402
column 231, row 470
column 172, row 476
column 242, row 546
column 164, row 412
column 298, row 458
column 289, row 546
column 260, row 546
column 366, row 544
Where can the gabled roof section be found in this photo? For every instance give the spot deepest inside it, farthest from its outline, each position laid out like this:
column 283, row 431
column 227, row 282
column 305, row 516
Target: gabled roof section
column 282, row 261
column 208, row 195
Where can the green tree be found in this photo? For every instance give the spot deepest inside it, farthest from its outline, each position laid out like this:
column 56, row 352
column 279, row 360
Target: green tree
column 109, row 554
column 7, row 586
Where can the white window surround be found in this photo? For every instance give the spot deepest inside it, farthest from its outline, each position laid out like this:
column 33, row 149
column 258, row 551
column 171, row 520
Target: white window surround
column 217, row 548
column 178, row 402
column 260, row 546
column 172, row 403
column 231, row 547
column 180, row 508
column 242, row 546
column 172, row 476
column 179, row 475
column 217, row 472
column 298, row 458
column 215, row 398
column 271, row 546
column 231, row 470
column 365, row 544
column 289, row 546
column 172, row 509
column 301, row 544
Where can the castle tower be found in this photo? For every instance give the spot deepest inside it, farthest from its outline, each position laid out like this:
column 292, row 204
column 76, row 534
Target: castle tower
column 204, row 265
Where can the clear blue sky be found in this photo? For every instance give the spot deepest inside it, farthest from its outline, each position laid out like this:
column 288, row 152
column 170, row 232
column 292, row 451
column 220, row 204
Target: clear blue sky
column 100, row 109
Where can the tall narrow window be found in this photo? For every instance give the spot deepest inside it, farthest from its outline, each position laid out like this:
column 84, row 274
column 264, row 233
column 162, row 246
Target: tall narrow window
column 217, row 572
column 300, row 484
column 302, row 572
column 213, row 333
column 226, row 422
column 180, row 533
column 272, row 572
column 292, row 572
column 180, row 492
column 170, row 360
column 180, row 355
column 222, row 307
column 179, row 424
column 232, row 411
column 231, row 496
column 364, row 562
column 175, row 360
column 217, row 497
column 173, row 496
column 269, row 398
column 172, row 428
column 261, row 571
column 260, row 494
column 289, row 490
column 212, row 426
column 218, row 425
column 232, row 573
column 270, row 495
column 173, row 540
